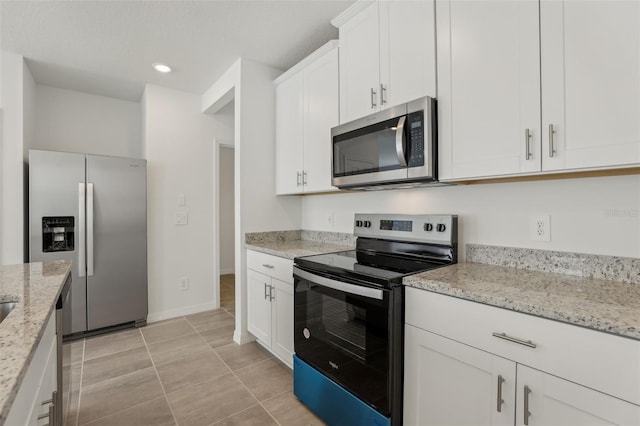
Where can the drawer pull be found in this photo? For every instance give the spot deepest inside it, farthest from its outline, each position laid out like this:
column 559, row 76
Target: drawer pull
column 504, row 336
column 266, row 265
column 527, row 413
column 500, row 400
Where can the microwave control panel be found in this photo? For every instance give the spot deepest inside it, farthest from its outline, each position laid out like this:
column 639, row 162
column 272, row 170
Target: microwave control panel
column 416, row 139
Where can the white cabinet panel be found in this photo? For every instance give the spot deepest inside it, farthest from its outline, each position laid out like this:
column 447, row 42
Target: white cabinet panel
column 488, row 87
column 321, row 114
column 451, row 383
column 282, row 321
column 289, row 135
column 359, row 65
column 258, row 306
column 407, row 50
column 550, row 401
column 590, row 83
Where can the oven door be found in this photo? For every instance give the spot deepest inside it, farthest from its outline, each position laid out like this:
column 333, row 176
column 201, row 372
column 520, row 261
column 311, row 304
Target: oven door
column 342, row 329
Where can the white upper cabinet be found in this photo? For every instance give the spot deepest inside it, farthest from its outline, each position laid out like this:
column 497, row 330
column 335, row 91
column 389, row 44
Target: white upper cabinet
column 590, row 83
column 387, row 55
column 359, row 65
column 488, row 87
column 306, row 110
column 532, row 86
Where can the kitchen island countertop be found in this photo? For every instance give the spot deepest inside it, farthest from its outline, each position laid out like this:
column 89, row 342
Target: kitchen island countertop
column 35, row 288
column 603, row 305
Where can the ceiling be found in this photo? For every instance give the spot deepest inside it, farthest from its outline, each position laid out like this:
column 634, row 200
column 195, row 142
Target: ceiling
column 107, row 47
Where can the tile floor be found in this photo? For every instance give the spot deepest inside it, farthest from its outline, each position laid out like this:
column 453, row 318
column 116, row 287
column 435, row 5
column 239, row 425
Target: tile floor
column 184, row 371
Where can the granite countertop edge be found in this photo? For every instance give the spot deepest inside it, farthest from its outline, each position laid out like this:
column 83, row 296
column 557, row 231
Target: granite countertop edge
column 447, row 284
column 11, row 378
column 296, row 248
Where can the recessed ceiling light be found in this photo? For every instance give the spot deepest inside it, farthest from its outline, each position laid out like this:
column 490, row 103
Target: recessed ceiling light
column 163, row 68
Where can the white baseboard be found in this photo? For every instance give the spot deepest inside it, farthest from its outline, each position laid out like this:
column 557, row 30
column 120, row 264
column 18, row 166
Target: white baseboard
column 178, row 312
column 227, row 271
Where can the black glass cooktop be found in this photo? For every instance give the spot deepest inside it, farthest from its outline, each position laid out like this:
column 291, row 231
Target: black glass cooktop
column 374, row 268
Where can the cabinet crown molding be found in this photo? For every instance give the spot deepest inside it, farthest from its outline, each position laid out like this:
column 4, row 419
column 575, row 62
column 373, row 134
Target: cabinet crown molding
column 352, row 11
column 318, row 53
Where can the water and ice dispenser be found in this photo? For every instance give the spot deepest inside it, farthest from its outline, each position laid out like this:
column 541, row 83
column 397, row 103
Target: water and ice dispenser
column 57, row 233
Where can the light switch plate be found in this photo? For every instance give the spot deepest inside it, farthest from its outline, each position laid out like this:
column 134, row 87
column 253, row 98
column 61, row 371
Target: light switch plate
column 181, row 200
column 182, row 218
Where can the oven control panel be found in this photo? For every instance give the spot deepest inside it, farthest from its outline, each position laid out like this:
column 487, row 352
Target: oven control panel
column 429, row 228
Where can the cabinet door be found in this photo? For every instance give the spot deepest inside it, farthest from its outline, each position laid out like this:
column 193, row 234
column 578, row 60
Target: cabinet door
column 447, row 382
column 488, row 87
column 550, row 400
column 321, row 106
column 289, row 135
column 407, row 51
column 590, row 56
column 282, row 321
column 359, row 65
column 259, row 306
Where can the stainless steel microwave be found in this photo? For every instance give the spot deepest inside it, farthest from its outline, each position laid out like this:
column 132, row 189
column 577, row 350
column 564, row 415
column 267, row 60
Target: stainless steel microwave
column 394, row 147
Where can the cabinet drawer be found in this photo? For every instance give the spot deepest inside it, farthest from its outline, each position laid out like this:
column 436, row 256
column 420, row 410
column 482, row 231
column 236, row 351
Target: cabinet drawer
column 608, row 363
column 274, row 266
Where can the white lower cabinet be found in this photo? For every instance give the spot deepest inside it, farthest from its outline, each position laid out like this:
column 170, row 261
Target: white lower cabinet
column 34, row 399
column 458, row 372
column 447, row 382
column 270, row 303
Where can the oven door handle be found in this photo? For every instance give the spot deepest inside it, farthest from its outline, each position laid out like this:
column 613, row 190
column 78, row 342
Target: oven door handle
column 371, row 293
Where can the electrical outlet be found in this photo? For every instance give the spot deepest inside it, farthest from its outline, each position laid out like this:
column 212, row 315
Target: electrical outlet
column 330, row 220
column 182, row 218
column 183, row 283
column 540, row 227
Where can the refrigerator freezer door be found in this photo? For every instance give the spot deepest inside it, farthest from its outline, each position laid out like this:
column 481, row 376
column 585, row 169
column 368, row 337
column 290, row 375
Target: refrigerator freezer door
column 55, row 179
column 117, row 283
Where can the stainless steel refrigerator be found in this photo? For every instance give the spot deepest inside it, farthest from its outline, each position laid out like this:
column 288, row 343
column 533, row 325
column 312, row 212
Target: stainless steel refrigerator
column 92, row 209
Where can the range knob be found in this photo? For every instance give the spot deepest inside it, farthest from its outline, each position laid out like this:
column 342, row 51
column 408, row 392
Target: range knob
column 441, row 227
column 367, row 224
column 358, row 223
column 428, row 227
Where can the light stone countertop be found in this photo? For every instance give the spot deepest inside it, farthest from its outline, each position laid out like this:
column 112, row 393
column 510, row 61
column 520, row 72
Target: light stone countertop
column 35, row 287
column 604, row 305
column 294, row 248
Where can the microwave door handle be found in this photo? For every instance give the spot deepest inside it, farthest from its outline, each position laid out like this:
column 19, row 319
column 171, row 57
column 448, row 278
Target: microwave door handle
column 400, row 142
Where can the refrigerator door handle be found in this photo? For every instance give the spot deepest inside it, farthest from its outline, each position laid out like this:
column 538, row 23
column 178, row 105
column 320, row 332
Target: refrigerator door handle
column 90, row 229
column 81, row 229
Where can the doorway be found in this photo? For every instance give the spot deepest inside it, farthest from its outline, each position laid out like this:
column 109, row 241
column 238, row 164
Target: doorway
column 226, row 227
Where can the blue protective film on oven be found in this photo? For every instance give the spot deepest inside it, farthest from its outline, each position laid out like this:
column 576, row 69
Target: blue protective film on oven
column 329, row 401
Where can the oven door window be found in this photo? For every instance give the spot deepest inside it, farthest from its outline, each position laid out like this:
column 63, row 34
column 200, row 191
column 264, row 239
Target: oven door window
column 345, row 336
column 376, row 148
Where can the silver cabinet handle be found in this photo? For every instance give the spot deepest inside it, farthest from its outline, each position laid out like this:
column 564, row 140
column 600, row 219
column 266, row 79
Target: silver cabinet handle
column 89, row 229
column 265, row 291
column 400, row 142
column 383, row 92
column 50, row 414
column 552, row 150
column 81, row 229
column 527, row 140
column 271, row 296
column 527, row 413
column 304, row 177
column 266, row 265
column 504, row 336
column 500, row 401
column 298, row 179
column 373, row 98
